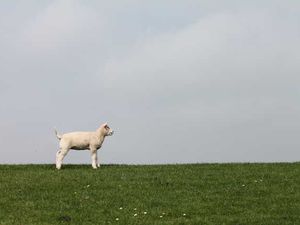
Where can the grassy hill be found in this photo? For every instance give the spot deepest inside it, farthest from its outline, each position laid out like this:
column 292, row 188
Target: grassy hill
column 234, row 194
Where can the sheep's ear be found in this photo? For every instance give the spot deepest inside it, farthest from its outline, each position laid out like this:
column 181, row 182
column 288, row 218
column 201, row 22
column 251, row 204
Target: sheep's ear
column 104, row 125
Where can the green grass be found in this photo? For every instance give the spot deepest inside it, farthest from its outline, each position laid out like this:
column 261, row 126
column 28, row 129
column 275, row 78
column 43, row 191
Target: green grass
column 207, row 194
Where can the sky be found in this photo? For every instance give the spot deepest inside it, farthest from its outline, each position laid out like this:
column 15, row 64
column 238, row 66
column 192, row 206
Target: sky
column 195, row 81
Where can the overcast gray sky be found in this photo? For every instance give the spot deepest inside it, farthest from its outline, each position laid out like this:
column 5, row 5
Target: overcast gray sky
column 179, row 81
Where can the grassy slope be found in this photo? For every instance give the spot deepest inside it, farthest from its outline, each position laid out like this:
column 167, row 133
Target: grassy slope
column 206, row 193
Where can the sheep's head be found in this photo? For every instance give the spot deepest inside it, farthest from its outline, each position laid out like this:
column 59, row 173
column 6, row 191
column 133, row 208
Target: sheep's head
column 106, row 130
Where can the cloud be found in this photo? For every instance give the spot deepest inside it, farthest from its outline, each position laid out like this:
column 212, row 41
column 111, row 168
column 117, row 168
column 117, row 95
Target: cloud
column 183, row 83
column 62, row 24
column 215, row 58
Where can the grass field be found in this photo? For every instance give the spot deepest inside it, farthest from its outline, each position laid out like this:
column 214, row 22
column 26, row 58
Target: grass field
column 208, row 194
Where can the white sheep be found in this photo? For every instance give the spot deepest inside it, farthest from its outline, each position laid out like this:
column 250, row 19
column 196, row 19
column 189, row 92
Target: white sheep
column 82, row 141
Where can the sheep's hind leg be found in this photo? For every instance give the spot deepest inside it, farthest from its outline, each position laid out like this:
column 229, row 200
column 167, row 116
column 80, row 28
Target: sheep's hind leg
column 60, row 155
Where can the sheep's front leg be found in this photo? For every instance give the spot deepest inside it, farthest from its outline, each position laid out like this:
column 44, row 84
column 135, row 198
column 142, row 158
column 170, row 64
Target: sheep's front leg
column 94, row 159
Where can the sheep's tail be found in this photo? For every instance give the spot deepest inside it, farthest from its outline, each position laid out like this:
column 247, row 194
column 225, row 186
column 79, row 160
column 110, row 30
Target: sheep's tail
column 57, row 134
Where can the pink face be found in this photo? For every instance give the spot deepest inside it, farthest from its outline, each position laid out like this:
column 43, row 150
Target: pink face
column 108, row 130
